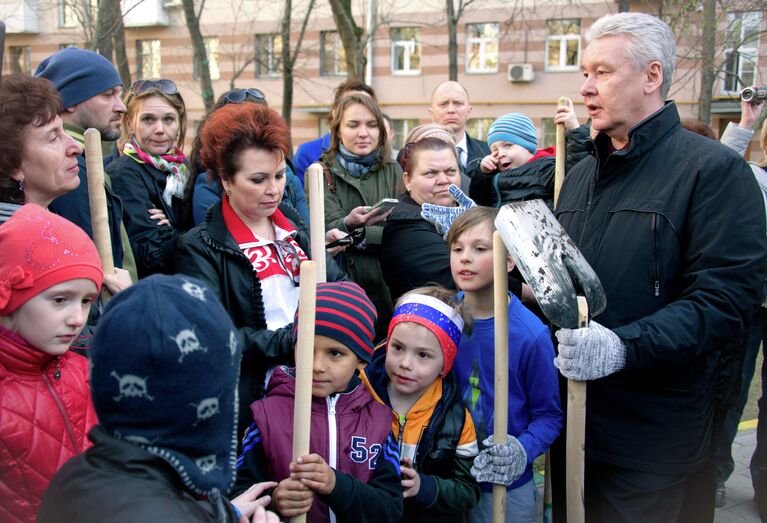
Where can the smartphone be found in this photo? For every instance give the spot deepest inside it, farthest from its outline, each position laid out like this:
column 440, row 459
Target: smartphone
column 346, row 240
column 386, row 203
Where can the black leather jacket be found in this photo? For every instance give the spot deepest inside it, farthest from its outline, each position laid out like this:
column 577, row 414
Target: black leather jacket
column 210, row 253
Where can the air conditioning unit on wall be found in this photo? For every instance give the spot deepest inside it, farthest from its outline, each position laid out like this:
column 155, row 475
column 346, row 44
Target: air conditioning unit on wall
column 521, row 73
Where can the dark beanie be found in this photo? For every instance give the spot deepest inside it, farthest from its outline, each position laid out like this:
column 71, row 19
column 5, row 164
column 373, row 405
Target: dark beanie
column 78, row 74
column 165, row 363
column 345, row 313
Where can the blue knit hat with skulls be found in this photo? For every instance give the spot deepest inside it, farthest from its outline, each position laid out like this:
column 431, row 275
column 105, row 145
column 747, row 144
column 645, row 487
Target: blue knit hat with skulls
column 165, row 366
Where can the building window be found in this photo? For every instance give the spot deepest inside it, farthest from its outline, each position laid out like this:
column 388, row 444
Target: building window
column 482, row 48
column 148, row 60
column 406, row 50
column 268, row 55
column 401, row 129
column 478, row 127
column 563, row 44
column 20, row 59
column 211, row 49
column 66, row 46
column 548, row 132
column 741, row 53
column 77, row 13
column 332, row 54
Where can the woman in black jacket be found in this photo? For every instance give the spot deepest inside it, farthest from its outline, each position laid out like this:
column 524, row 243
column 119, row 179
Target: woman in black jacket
column 249, row 248
column 151, row 173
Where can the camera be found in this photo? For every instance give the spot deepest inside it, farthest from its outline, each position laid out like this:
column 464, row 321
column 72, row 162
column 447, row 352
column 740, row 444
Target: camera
column 754, row 95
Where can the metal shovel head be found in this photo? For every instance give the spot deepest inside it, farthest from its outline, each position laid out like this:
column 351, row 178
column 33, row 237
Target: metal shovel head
column 552, row 265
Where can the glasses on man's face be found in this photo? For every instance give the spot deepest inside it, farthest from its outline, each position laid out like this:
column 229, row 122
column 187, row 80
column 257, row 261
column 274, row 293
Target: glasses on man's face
column 236, row 96
column 287, row 257
column 164, row 86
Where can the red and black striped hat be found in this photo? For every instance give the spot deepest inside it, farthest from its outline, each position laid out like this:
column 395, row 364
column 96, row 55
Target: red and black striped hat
column 346, row 314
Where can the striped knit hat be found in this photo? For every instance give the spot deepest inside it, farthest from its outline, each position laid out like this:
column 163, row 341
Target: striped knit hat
column 345, row 314
column 514, row 128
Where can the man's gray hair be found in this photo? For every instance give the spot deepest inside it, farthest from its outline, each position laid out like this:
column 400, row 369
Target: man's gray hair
column 649, row 39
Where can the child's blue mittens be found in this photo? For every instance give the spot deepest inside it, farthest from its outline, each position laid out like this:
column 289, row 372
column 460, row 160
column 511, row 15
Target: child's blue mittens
column 589, row 353
column 442, row 217
column 500, row 464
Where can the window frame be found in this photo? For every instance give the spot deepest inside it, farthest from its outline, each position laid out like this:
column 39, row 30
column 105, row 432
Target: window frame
column 482, row 41
column 339, row 56
column 20, row 58
column 747, row 52
column 274, row 67
column 211, row 51
column 141, row 57
column 562, row 40
column 410, row 47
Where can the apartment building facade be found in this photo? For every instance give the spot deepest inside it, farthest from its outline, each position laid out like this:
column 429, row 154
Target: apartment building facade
column 512, row 56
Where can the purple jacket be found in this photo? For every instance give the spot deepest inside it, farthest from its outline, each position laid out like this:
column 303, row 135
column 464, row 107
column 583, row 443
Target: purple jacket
column 350, row 430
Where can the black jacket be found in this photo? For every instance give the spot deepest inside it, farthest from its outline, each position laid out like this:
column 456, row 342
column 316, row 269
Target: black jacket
column 531, row 181
column 75, row 207
column 674, row 227
column 210, row 253
column 448, row 490
column 140, row 186
column 413, row 253
column 476, row 149
column 120, row 482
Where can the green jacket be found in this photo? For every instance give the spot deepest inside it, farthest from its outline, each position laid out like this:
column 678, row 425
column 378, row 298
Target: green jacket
column 343, row 193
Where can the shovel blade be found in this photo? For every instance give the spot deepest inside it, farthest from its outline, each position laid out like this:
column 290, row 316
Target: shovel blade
column 552, row 265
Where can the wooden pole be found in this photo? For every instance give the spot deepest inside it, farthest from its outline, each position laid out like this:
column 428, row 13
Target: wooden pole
column 302, row 408
column 575, row 436
column 561, row 158
column 97, row 199
column 501, row 389
column 314, row 180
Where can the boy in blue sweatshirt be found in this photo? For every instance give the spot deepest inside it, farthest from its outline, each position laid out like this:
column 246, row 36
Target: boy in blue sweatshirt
column 534, row 412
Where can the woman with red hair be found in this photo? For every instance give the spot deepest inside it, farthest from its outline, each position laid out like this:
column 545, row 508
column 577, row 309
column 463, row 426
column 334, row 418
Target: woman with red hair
column 250, row 246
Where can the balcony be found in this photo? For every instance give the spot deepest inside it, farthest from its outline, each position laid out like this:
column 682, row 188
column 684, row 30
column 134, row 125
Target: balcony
column 144, row 13
column 19, row 17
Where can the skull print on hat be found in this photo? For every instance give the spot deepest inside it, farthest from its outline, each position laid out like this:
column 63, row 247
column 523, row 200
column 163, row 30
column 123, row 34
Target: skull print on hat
column 165, row 365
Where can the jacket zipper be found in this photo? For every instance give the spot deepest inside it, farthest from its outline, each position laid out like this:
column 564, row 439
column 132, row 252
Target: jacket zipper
column 57, row 375
column 401, row 420
column 332, row 440
column 592, row 187
column 656, row 245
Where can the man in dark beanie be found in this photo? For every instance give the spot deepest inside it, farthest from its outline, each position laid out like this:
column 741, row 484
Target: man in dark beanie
column 165, row 362
column 90, row 90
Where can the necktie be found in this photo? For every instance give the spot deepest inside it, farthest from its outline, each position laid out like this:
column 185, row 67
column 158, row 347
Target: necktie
column 459, row 153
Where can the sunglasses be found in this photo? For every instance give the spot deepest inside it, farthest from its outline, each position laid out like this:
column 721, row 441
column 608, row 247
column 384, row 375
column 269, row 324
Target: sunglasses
column 164, row 86
column 236, row 96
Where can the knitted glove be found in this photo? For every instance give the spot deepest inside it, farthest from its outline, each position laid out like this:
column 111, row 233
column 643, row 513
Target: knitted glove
column 589, row 353
column 442, row 217
column 501, row 464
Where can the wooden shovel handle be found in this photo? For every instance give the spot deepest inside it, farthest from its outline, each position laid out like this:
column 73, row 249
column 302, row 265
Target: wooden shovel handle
column 302, row 408
column 559, row 166
column 501, row 386
column 97, row 199
column 314, row 179
column 575, row 439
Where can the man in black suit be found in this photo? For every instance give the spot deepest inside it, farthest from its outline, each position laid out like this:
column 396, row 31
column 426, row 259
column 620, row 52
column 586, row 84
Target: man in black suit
column 450, row 107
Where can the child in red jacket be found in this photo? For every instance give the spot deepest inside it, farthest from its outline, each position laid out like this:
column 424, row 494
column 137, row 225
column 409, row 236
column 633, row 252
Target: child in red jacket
column 50, row 273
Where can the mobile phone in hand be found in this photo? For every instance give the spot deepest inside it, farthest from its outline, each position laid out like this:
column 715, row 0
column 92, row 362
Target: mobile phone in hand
column 386, row 203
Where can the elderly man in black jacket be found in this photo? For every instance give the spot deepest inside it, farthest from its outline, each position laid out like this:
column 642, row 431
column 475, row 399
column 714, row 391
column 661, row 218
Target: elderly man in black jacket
column 673, row 225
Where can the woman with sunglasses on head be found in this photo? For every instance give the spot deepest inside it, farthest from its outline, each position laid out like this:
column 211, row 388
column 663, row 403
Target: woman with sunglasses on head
column 203, row 190
column 249, row 248
column 152, row 172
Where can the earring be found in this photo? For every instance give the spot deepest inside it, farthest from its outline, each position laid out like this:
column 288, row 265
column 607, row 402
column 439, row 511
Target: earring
column 228, row 193
column 21, row 185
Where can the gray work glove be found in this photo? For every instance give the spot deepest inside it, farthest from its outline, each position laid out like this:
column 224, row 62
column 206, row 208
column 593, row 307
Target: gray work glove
column 442, row 217
column 501, row 464
column 589, row 353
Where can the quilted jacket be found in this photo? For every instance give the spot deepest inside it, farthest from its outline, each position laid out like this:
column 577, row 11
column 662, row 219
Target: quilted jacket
column 45, row 415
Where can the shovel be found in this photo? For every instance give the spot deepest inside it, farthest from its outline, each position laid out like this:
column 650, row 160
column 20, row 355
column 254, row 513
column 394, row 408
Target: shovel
column 567, row 289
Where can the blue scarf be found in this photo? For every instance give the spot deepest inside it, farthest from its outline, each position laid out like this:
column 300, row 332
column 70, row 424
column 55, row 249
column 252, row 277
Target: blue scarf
column 355, row 164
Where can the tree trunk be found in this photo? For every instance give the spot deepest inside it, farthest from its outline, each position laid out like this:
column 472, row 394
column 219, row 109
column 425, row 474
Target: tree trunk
column 287, row 66
column 200, row 53
column 105, row 23
column 452, row 41
column 623, row 6
column 708, row 71
column 121, row 57
column 351, row 37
